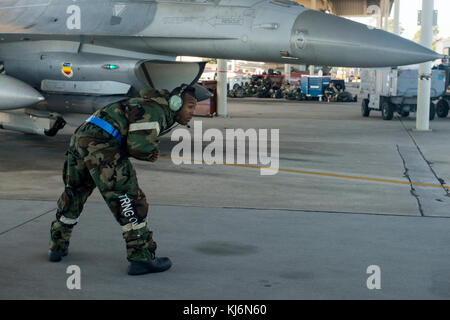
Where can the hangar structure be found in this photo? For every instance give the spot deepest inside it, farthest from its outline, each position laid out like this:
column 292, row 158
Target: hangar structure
column 348, row 8
column 356, row 8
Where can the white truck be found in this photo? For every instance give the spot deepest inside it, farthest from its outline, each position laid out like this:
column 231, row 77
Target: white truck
column 391, row 90
column 238, row 81
column 443, row 105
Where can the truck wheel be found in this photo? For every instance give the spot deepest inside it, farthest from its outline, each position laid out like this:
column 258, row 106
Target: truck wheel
column 442, row 108
column 339, row 86
column 365, row 111
column 239, row 92
column 387, row 110
column 432, row 111
column 404, row 114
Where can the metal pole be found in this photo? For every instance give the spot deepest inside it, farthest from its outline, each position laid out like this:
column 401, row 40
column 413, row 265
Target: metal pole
column 380, row 19
column 424, row 87
column 287, row 72
column 314, row 7
column 397, row 17
column 386, row 6
column 222, row 87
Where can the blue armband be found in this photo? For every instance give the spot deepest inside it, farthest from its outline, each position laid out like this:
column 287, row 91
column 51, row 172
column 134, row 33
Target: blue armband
column 105, row 126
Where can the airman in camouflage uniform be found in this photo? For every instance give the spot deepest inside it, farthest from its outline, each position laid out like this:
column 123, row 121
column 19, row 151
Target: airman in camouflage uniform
column 100, row 159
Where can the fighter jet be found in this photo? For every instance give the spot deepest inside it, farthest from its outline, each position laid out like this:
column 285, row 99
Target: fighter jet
column 60, row 58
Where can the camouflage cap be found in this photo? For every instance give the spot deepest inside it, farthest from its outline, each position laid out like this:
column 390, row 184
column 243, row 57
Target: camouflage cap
column 160, row 96
column 153, row 93
column 185, row 88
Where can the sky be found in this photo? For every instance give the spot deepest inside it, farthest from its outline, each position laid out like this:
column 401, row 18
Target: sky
column 408, row 17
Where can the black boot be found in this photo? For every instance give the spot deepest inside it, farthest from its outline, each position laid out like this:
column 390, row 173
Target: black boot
column 56, row 255
column 141, row 252
column 152, row 266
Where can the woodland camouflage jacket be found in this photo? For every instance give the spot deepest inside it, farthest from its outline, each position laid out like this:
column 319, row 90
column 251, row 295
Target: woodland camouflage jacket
column 140, row 122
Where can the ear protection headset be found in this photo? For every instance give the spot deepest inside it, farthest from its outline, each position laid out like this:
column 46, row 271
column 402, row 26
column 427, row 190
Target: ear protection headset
column 176, row 101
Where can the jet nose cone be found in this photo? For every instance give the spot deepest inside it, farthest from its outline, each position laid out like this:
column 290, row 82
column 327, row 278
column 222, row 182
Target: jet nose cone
column 15, row 94
column 324, row 39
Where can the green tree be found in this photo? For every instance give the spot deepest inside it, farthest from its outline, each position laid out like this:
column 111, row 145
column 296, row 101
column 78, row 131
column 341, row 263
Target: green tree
column 418, row 35
column 391, row 27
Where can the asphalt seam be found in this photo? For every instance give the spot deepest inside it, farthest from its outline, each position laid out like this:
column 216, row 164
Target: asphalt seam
column 268, row 209
column 24, row 223
column 441, row 181
column 413, row 190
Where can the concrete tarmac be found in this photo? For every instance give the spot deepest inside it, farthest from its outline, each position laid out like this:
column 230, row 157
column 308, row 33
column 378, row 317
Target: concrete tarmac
column 351, row 193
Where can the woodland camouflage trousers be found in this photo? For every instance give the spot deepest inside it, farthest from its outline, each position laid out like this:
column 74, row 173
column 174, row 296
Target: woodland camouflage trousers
column 94, row 160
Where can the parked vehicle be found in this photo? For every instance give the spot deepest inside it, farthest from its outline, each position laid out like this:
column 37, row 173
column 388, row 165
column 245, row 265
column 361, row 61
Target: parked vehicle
column 394, row 90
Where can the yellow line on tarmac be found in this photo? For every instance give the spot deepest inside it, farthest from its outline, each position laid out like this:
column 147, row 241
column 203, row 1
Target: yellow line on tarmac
column 323, row 174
